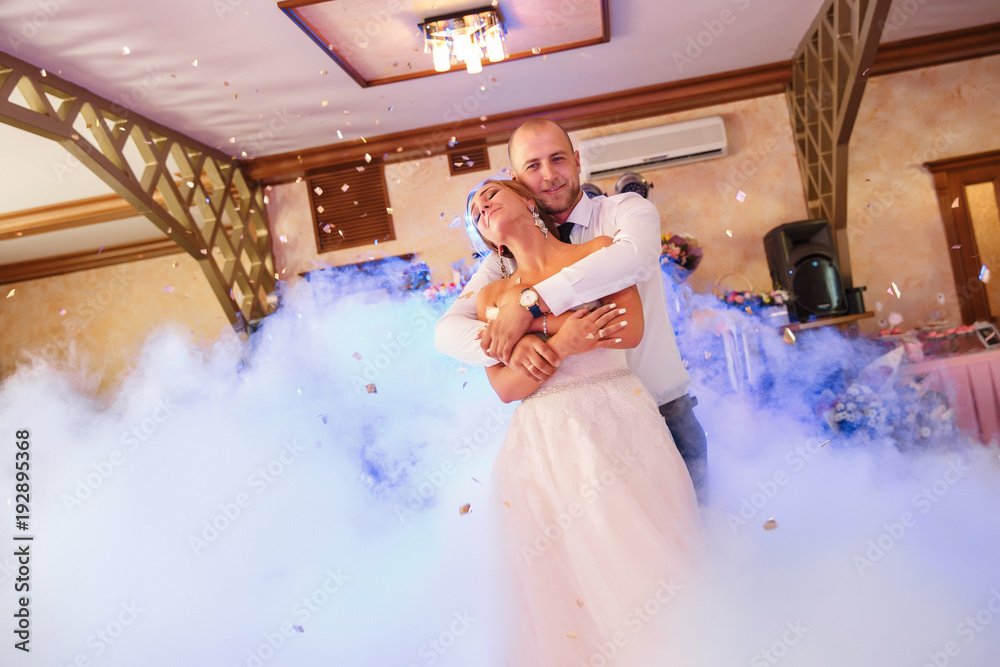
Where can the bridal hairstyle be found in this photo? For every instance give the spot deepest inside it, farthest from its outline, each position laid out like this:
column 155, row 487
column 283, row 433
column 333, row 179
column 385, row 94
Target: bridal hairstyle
column 484, row 246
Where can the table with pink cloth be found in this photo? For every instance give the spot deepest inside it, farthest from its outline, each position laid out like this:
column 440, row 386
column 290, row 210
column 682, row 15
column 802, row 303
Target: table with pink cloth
column 972, row 384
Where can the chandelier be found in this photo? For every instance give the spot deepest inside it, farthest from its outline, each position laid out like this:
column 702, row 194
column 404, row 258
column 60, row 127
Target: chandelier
column 465, row 37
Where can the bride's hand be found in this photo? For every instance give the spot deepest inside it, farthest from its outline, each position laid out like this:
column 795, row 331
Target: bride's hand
column 585, row 331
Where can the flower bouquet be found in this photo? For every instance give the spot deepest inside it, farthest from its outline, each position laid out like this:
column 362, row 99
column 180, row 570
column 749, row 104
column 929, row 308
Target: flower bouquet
column 683, row 251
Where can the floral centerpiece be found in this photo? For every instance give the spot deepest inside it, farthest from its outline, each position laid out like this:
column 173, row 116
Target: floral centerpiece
column 753, row 301
column 683, row 251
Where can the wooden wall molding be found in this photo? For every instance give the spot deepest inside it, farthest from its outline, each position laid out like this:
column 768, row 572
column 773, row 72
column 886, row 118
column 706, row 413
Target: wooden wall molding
column 65, row 215
column 619, row 106
column 87, row 259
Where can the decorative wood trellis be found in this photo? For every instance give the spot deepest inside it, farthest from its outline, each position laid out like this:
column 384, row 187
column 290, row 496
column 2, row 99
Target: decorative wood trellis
column 829, row 73
column 198, row 196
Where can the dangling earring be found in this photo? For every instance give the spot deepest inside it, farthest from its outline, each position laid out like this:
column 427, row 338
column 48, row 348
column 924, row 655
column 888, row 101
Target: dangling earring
column 504, row 271
column 539, row 223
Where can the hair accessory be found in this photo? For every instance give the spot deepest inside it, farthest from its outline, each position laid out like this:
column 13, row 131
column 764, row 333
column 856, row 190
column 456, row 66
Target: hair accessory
column 538, row 221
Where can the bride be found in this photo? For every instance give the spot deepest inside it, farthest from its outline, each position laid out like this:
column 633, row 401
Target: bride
column 598, row 516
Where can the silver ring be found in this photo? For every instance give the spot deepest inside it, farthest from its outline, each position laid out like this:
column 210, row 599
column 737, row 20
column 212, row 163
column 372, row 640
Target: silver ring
column 600, row 333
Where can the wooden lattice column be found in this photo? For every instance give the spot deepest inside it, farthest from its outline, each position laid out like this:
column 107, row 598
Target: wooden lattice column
column 829, row 73
column 198, row 196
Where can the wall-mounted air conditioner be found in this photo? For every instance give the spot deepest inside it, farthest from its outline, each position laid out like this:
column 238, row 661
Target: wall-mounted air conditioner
column 652, row 147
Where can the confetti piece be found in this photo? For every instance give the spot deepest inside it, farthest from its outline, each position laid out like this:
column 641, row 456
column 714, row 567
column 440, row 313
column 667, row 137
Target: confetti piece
column 360, row 168
column 99, row 250
column 169, row 289
column 956, row 247
column 126, row 50
column 770, row 524
column 637, row 391
column 729, row 233
column 536, row 50
column 44, row 73
column 477, row 481
column 266, row 200
column 465, row 509
column 371, row 389
column 579, row 602
column 984, row 274
column 893, row 290
column 298, row 628
column 357, row 355
column 320, row 209
column 62, row 311
column 740, row 196
column 954, row 204
column 788, row 336
column 822, row 444
column 11, row 293
column 465, row 295
column 368, row 158
column 707, row 355
column 571, row 635
column 339, row 135
column 203, row 251
column 318, row 190
column 323, row 417
column 324, row 103
column 322, row 72
column 345, row 187
column 388, row 210
column 895, row 318
column 194, row 62
column 283, row 238
column 464, row 384
column 506, row 504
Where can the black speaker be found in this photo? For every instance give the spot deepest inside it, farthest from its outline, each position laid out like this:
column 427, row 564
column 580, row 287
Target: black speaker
column 803, row 262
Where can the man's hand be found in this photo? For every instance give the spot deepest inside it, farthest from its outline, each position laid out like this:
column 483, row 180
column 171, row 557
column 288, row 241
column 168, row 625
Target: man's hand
column 532, row 357
column 511, row 323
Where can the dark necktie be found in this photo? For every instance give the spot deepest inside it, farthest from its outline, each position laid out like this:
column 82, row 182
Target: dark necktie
column 564, row 230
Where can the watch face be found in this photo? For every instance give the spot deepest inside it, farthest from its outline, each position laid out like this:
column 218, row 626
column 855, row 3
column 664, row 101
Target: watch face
column 528, row 298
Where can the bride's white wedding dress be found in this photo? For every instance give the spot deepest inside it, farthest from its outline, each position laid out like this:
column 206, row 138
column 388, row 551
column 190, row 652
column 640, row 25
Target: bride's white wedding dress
column 598, row 519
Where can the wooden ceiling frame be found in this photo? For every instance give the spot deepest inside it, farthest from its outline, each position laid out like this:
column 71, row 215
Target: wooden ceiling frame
column 230, row 239
column 291, row 9
column 829, row 72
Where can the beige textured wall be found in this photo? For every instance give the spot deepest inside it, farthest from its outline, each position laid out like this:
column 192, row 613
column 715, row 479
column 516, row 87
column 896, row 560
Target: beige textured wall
column 905, row 120
column 109, row 312
column 896, row 233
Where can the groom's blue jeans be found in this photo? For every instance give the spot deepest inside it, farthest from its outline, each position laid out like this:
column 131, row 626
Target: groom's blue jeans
column 690, row 439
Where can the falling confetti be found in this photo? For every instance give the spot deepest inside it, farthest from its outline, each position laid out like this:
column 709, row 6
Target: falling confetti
column 824, row 443
column 339, row 135
column 956, row 247
column 740, row 196
column 788, row 336
column 283, row 238
column 360, row 168
column 126, row 50
column 579, row 602
column 707, row 355
column 770, row 524
column 62, row 311
column 169, row 289
column 984, row 274
column 465, row 509
column 729, row 233
column 194, row 62
column 536, row 50
column 323, row 417
column 99, row 250
column 320, row 209
column 344, row 187
column 571, row 635
column 371, row 388
column 298, row 628
column 11, row 293
column 894, row 290
column 357, row 355
column 368, row 158
column 954, row 204
column 388, row 210
column 637, row 391
column 506, row 504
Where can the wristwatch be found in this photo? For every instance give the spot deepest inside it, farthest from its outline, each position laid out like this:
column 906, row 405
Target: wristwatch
column 529, row 299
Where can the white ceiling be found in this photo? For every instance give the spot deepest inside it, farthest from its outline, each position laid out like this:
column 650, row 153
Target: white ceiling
column 273, row 102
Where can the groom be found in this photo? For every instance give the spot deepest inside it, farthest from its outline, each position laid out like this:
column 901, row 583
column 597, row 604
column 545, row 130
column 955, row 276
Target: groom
column 542, row 157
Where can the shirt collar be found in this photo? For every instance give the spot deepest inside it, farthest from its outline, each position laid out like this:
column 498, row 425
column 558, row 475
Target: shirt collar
column 582, row 212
